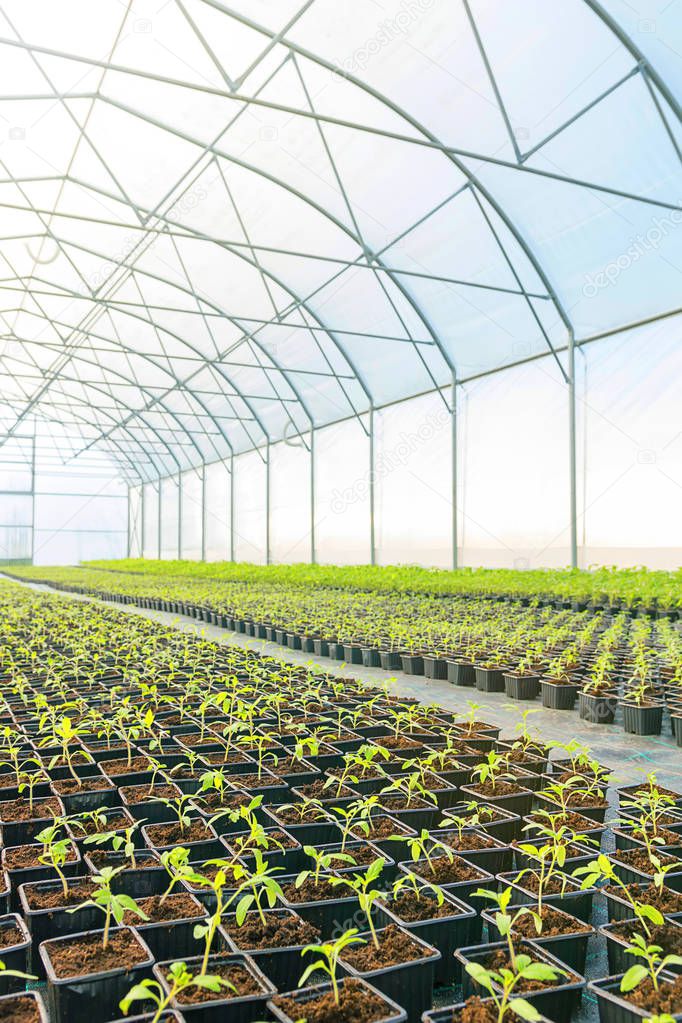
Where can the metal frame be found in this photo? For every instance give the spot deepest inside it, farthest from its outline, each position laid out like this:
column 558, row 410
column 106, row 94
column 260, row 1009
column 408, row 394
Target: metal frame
column 126, row 372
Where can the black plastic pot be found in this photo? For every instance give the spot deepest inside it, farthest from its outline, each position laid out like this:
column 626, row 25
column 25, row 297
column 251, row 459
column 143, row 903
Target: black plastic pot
column 570, row 949
column 412, row 664
column 521, row 687
column 240, row 1009
column 461, row 673
column 556, row 1003
column 435, row 667
column 23, row 875
column 302, row 996
column 446, row 933
column 93, row 996
column 517, row 802
column 370, row 657
column 15, row 1001
column 281, row 965
column 43, row 924
column 614, row 1008
column 408, row 984
column 16, row 956
column 390, row 660
column 449, row 1013
column 573, row 901
column 489, row 680
column 558, row 696
column 616, row 945
column 330, row 916
column 599, row 710
column 642, row 720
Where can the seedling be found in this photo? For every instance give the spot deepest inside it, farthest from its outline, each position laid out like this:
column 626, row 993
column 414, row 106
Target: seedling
column 179, row 979
column 113, row 906
column 329, row 954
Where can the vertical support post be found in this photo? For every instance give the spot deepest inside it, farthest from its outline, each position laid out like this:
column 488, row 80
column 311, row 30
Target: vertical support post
column 203, row 512
column 572, row 459
column 179, row 515
column 158, row 505
column 453, row 441
column 312, row 495
column 372, row 494
column 128, row 524
column 231, row 507
column 267, row 502
column 143, row 516
column 33, row 493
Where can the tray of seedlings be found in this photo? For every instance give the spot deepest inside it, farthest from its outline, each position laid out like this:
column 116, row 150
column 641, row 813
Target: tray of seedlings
column 195, row 832
column 614, row 659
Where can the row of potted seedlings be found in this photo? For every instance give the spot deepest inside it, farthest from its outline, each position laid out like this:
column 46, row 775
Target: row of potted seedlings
column 188, row 830
column 615, row 668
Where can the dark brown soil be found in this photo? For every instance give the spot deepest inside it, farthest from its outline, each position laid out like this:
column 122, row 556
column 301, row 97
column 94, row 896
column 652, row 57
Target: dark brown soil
column 81, row 956
column 395, row 946
column 141, row 793
column 499, row 959
column 20, row 810
column 399, row 801
column 554, row 922
column 362, row 854
column 68, row 786
column 667, row 999
column 316, row 790
column 252, row 781
column 638, row 859
column 500, row 788
column 54, row 898
column 278, row 932
column 172, row 834
column 555, row 885
column 445, row 872
column 235, row 974
column 10, row 936
column 469, row 841
column 410, row 909
column 275, row 836
column 666, row 901
column 592, row 799
column 21, row 856
column 309, row 891
column 667, row 936
column 102, row 858
column 180, row 906
column 397, row 742
column 20, row 1009
column 575, row 821
column 475, row 1010
column 384, row 827
column 291, row 814
column 114, row 821
column 121, row 766
column 356, row 1005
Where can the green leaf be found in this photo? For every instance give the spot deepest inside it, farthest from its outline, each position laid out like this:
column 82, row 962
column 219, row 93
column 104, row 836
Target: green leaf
column 524, row 1009
column 634, row 976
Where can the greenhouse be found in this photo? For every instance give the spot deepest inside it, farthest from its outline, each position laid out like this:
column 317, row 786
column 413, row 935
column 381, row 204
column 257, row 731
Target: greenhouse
column 340, row 511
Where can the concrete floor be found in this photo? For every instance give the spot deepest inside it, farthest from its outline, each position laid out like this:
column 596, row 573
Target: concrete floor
column 629, row 756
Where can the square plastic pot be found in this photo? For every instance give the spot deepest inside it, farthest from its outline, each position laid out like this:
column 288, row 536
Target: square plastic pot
column 445, row 933
column 394, row 1013
column 94, row 996
column 225, row 1006
column 614, row 1008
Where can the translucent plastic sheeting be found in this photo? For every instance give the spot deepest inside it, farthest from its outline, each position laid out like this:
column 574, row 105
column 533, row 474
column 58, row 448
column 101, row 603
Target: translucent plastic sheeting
column 342, row 492
column 290, row 508
column 266, row 216
column 217, row 512
column 191, row 511
column 150, row 520
column 250, row 507
column 64, row 548
column 513, row 480
column 169, row 503
column 413, row 473
column 630, row 507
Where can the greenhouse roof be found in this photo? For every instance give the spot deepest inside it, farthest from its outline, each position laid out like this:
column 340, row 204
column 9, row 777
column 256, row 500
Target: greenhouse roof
column 224, row 223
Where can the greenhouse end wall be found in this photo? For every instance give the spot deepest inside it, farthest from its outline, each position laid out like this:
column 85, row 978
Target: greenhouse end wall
column 381, row 486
